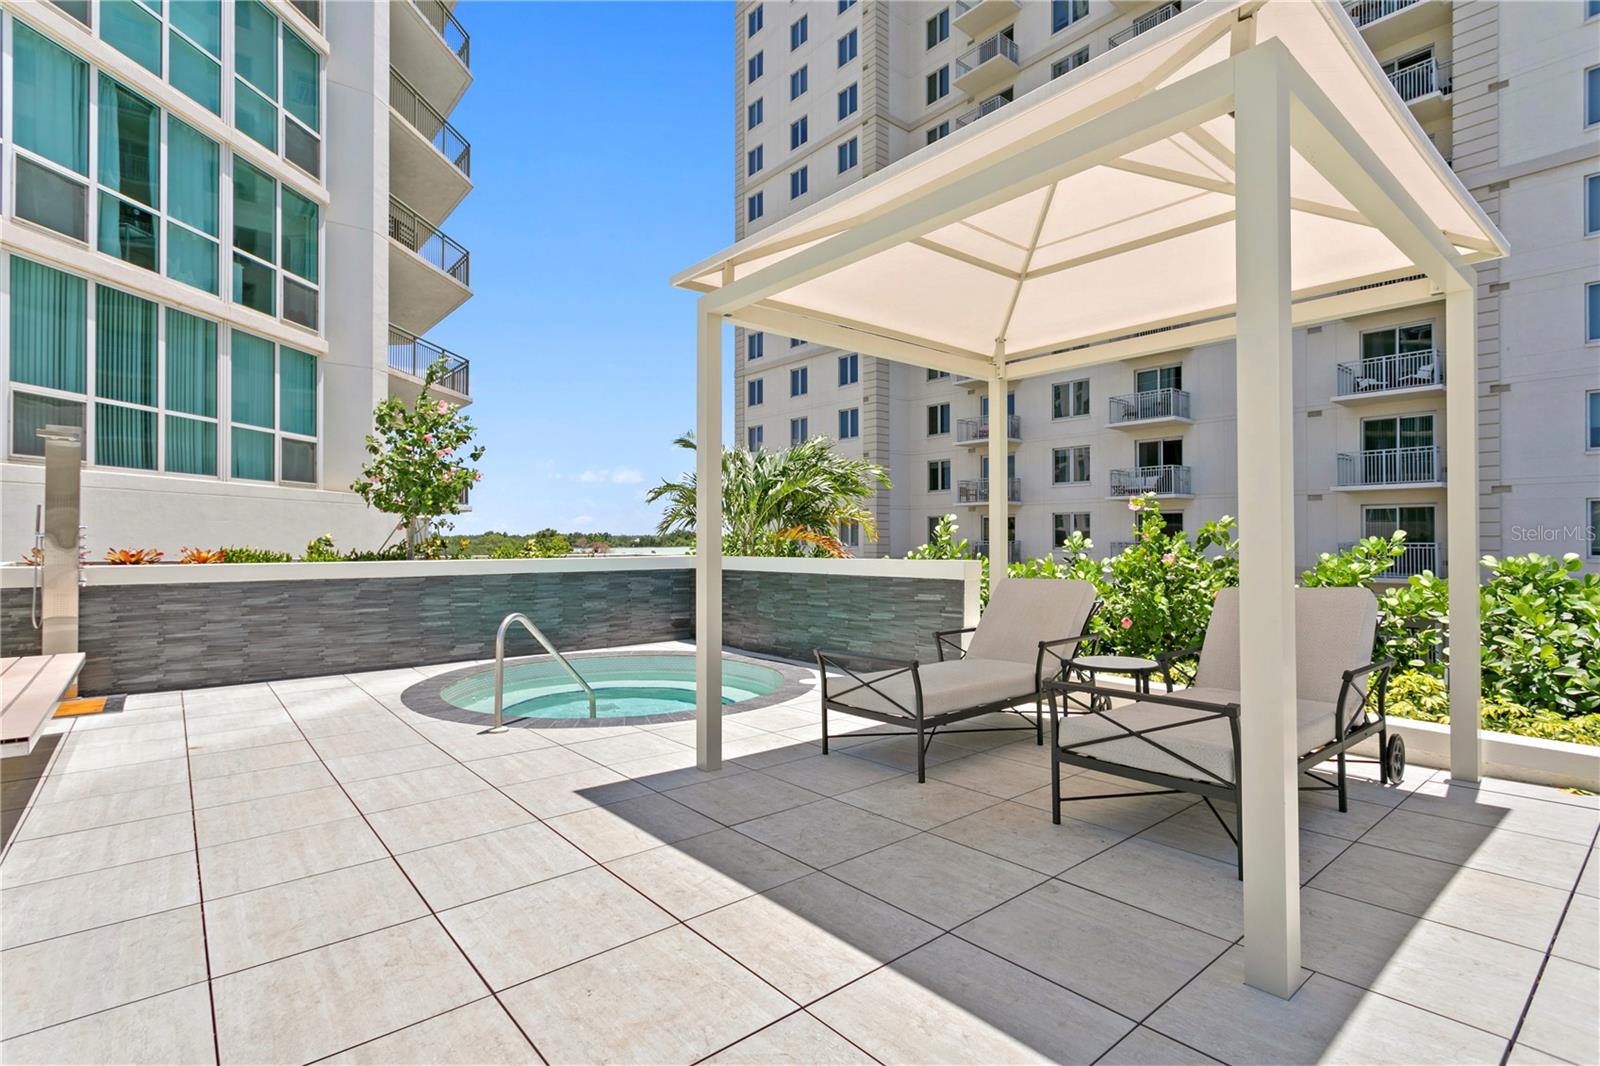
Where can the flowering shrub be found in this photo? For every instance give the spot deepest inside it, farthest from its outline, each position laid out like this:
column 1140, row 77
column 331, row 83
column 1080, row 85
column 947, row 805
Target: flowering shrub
column 1423, row 697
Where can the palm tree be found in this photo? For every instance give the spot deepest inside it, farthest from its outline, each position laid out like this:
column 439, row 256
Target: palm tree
column 790, row 502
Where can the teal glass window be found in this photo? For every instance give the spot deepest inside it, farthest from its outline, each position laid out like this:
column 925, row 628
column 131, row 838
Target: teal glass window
column 51, row 99
column 131, row 29
column 130, row 143
column 201, row 20
column 252, row 454
column 302, row 88
column 255, row 46
column 47, row 197
column 255, row 116
column 297, row 393
column 191, row 258
column 299, row 235
column 124, row 436
column 125, row 347
column 254, row 284
column 255, row 208
column 49, row 326
column 191, row 446
column 191, row 364
column 30, row 413
column 299, row 460
column 128, row 232
column 195, row 74
column 252, row 381
column 192, row 177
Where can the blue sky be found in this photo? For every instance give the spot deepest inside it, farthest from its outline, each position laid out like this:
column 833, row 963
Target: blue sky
column 601, row 140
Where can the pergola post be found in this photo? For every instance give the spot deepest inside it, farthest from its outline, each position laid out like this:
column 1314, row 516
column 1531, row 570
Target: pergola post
column 1269, row 799
column 708, row 541
column 1461, row 525
column 999, row 482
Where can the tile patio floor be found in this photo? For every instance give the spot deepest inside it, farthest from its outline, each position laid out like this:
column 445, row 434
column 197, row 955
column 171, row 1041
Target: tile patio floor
column 308, row 871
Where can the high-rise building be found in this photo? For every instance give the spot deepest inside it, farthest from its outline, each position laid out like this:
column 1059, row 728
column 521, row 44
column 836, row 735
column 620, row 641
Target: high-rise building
column 1509, row 93
column 220, row 247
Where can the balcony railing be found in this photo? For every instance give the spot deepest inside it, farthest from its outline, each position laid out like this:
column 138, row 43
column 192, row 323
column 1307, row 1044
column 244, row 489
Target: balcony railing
column 445, row 25
column 976, row 490
column 412, row 355
column 1421, row 79
column 1404, row 370
column 986, row 106
column 974, row 430
column 404, row 98
column 1417, row 557
column 1364, row 11
column 429, row 242
column 311, row 9
column 996, row 46
column 1013, row 550
column 1390, row 466
column 1148, row 21
column 1161, row 480
column 1143, row 406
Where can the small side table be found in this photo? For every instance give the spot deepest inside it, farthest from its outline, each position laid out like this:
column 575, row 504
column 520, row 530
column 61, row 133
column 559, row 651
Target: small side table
column 1140, row 668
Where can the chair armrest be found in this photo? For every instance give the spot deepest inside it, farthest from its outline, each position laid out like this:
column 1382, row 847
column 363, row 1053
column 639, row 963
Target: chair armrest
column 1227, row 710
column 1381, row 668
column 1048, row 647
column 942, row 639
column 849, row 664
column 1169, row 659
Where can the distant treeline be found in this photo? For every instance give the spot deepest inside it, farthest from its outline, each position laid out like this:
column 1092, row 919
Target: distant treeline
column 493, row 543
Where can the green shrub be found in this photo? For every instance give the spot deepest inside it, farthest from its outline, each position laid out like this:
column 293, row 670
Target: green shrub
column 321, row 550
column 945, row 545
column 1423, row 697
column 1358, row 564
column 254, row 555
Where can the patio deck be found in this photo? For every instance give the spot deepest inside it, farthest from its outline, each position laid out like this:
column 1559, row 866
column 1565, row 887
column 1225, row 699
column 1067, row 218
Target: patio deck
column 308, row 870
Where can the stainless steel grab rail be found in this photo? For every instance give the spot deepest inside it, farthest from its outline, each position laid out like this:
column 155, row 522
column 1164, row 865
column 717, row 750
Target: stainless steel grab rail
column 500, row 666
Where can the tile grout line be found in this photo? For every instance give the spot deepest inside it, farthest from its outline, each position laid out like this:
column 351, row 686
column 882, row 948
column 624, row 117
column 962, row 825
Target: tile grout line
column 200, row 889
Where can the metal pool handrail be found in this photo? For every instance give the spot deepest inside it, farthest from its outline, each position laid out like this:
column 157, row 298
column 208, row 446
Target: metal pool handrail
column 500, row 665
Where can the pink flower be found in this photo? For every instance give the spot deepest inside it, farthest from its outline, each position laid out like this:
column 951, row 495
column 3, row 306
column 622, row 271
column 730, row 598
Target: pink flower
column 1169, row 558
column 443, row 407
column 477, row 475
column 1127, row 623
column 1135, row 504
column 441, row 453
column 427, row 438
column 375, row 479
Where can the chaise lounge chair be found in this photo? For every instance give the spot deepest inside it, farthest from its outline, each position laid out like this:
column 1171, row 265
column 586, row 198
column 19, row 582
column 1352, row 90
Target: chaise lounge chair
column 1188, row 740
column 1027, row 636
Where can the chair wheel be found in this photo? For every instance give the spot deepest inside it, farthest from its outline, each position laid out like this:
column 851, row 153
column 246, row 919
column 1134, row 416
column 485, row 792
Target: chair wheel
column 1394, row 761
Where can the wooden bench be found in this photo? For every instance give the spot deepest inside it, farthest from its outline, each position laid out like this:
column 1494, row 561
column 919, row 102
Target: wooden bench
column 30, row 688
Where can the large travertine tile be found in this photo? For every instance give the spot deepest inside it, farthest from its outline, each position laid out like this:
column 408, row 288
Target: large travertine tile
column 530, row 931
column 575, row 791
column 798, row 1040
column 705, row 872
column 1579, row 938
column 999, row 777
column 1026, row 836
column 94, row 812
column 386, row 737
column 1561, row 1018
column 936, row 879
column 813, row 935
column 96, row 849
column 826, row 832
column 256, row 736
column 741, row 797
column 607, row 833
column 1119, row 956
column 202, row 726
column 350, row 768
column 171, row 1029
column 77, row 757
column 246, row 760
column 270, row 923
column 899, row 753
column 479, row 1034
column 661, row 773
column 423, row 825
column 273, row 814
column 1146, row 1047
column 952, row 1002
column 1197, row 830
column 261, row 784
column 1325, row 1021
column 625, row 747
column 470, row 741
column 102, row 897
column 531, row 765
column 130, row 733
column 449, row 875
column 772, row 749
column 669, row 997
column 924, row 806
column 1186, row 888
column 1536, row 816
column 71, row 976
column 829, row 775
column 1126, row 811
column 418, row 786
column 1539, row 859
column 61, row 787
column 261, row 861
column 313, row 1004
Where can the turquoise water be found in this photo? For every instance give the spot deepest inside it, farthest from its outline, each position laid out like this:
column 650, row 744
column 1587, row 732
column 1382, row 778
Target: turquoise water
column 625, row 686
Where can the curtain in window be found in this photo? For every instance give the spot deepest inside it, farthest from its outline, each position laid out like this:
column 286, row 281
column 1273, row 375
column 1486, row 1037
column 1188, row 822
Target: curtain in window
column 191, row 446
column 125, row 347
column 252, row 382
column 124, row 436
column 191, row 364
column 252, row 454
column 130, row 143
column 49, row 331
column 254, row 211
column 51, row 99
column 299, row 235
column 192, row 182
column 297, row 392
column 255, row 46
column 301, row 88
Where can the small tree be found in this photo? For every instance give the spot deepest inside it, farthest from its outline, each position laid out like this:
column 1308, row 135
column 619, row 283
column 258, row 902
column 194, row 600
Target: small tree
column 421, row 459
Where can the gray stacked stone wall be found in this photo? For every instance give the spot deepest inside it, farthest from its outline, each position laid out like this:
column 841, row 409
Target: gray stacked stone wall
column 793, row 615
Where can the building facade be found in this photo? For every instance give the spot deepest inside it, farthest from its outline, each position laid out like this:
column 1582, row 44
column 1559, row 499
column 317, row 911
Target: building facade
column 829, row 92
column 220, row 248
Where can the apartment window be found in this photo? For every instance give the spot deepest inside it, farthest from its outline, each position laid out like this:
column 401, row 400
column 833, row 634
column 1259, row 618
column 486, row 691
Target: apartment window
column 756, row 65
column 260, row 44
column 799, row 182
column 849, row 369
column 755, row 159
column 848, row 154
column 1591, row 9
column 795, row 342
column 754, row 438
column 850, row 532
column 799, row 381
column 755, row 345
column 1401, row 340
column 193, row 36
column 1069, row 523
column 798, row 82
column 1593, row 401
column 847, row 102
column 755, row 392
column 799, row 430
column 1069, row 399
column 1071, row 62
column 1591, row 294
column 1159, row 453
column 754, row 207
column 1591, row 97
column 1416, row 522
column 939, row 132
column 849, row 47
column 1157, row 378
column 933, row 525
column 756, row 19
column 799, row 132
column 938, row 375
column 259, row 454
column 261, row 247
column 938, row 419
column 939, row 475
column 846, row 5
column 1594, row 529
column 754, row 114
column 1064, row 13
column 1070, row 466
column 850, row 423
column 799, row 30
column 939, row 27
column 938, row 84
column 1591, row 205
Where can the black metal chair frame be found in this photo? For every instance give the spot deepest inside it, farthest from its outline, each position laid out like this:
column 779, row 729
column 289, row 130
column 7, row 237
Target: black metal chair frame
column 1368, row 684
column 925, row 727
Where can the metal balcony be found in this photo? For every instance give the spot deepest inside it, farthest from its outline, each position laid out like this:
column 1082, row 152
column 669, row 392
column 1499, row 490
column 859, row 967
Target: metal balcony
column 987, row 106
column 976, row 430
column 1161, row 480
column 1013, row 550
column 445, row 25
column 1148, row 21
column 1156, row 405
column 1390, row 466
column 986, row 64
column 976, row 490
column 1418, row 556
column 1408, row 371
column 427, row 120
column 1421, row 79
column 411, row 355
column 429, row 242
column 1363, row 12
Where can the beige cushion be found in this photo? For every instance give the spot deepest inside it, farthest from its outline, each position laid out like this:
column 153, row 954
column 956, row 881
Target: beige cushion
column 1334, row 632
column 1022, row 612
column 954, row 685
column 1208, row 743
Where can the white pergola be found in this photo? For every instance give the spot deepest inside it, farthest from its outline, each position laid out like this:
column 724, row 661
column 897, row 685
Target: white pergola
column 1242, row 169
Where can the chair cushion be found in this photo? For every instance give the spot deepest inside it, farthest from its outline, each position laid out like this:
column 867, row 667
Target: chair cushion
column 955, row 685
column 1334, row 631
column 1208, row 743
column 1023, row 612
